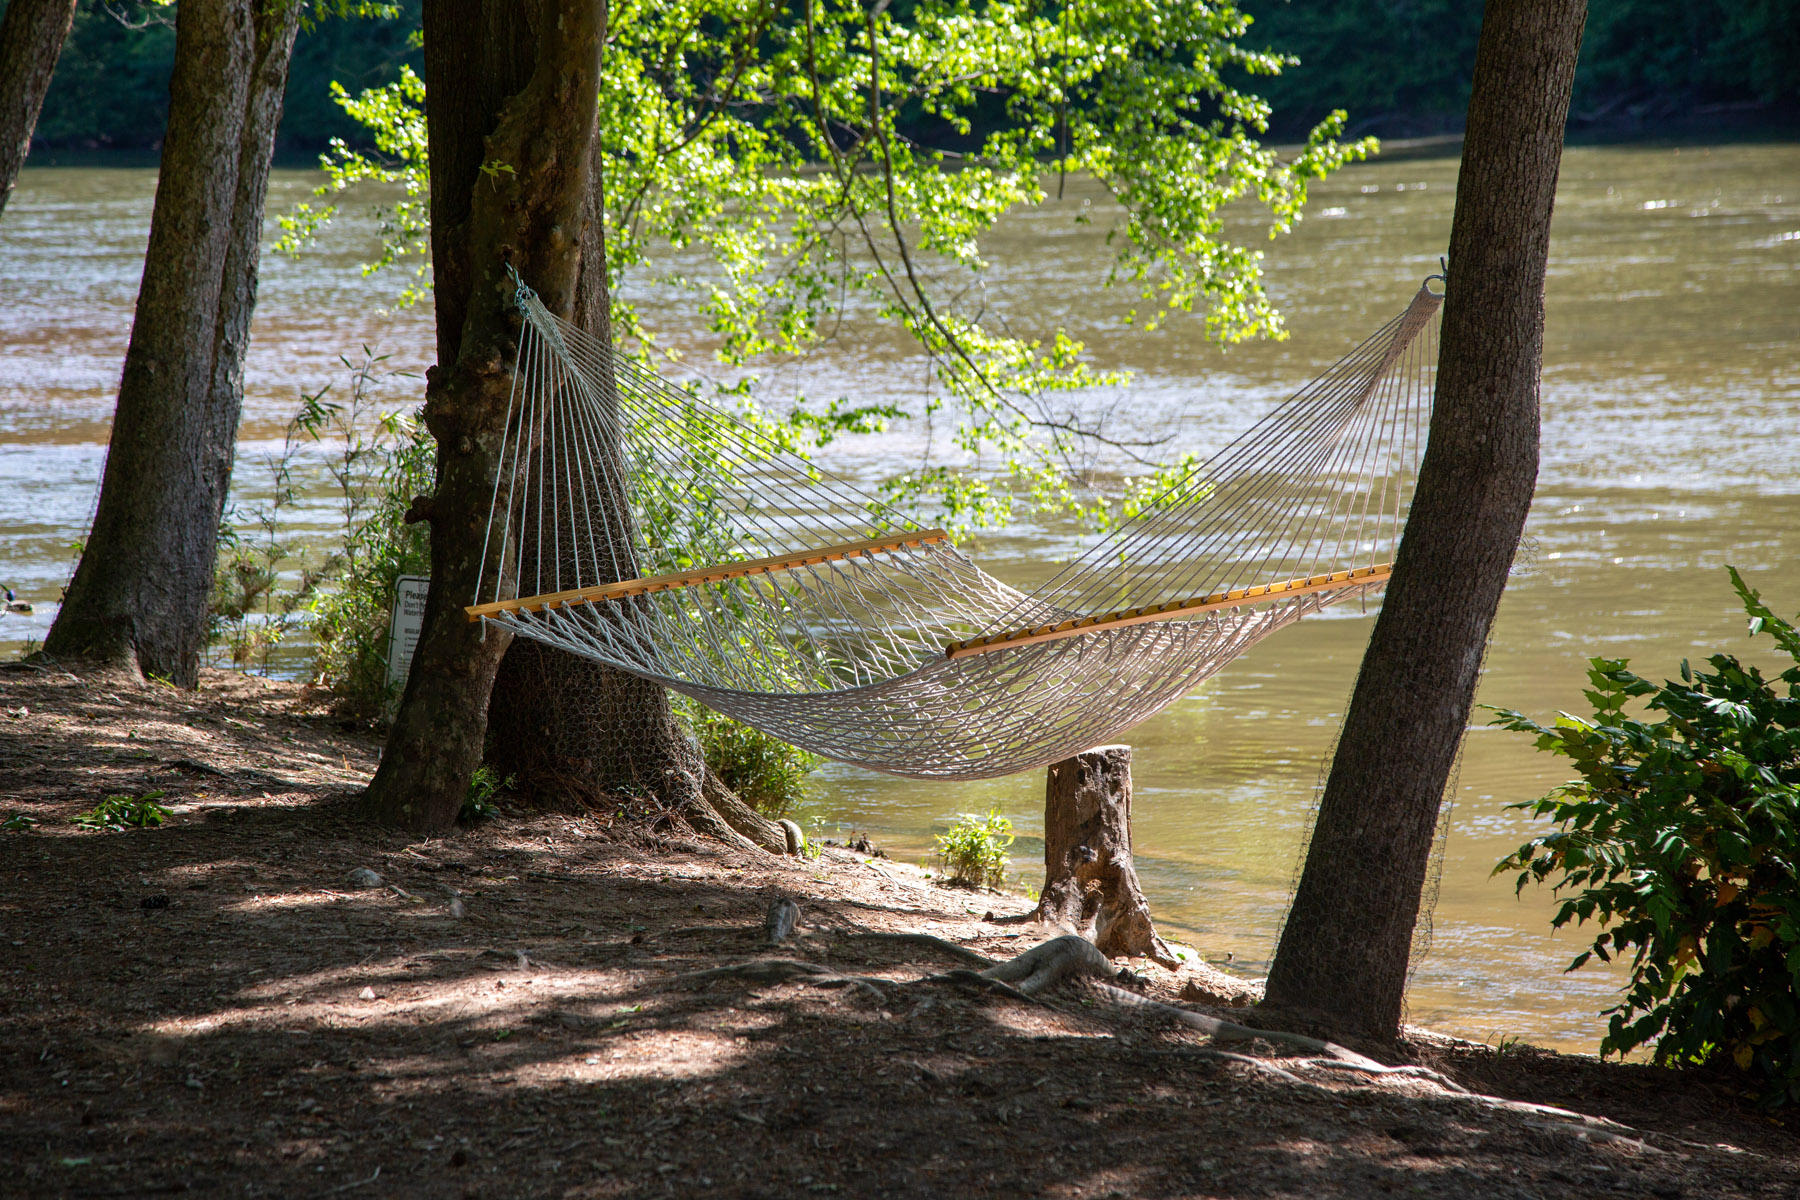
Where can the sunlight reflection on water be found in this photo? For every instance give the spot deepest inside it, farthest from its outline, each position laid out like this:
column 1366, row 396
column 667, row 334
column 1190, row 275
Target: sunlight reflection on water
column 1671, row 396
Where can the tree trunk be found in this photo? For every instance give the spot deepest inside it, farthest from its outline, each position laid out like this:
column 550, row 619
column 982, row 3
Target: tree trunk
column 511, row 91
column 559, row 723
column 31, row 40
column 1344, row 952
column 141, row 592
column 567, row 728
column 1090, row 884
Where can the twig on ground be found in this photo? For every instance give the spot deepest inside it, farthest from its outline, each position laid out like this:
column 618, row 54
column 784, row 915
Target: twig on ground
column 355, row 1183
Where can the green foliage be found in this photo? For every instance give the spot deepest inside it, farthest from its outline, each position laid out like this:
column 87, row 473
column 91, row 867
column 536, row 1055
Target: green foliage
column 382, row 460
column 267, row 586
column 18, row 823
column 125, row 812
column 479, row 803
column 1711, row 49
column 1373, row 57
column 391, row 116
column 111, row 87
column 973, row 852
column 1681, row 838
column 253, row 607
column 766, row 772
column 1412, row 60
column 843, row 160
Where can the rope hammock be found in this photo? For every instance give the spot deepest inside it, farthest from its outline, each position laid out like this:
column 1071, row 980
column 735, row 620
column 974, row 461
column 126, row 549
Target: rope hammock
column 647, row 528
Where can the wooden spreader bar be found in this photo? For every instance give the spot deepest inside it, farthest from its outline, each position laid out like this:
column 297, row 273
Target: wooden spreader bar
column 1174, row 610
column 712, row 574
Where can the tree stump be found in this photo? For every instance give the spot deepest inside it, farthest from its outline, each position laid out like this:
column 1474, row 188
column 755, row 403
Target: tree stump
column 1090, row 884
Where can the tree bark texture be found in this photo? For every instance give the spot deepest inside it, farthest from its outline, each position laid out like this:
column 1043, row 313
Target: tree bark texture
column 1344, row 952
column 31, row 39
column 565, row 727
column 511, row 91
column 1090, row 883
column 558, row 723
column 141, row 593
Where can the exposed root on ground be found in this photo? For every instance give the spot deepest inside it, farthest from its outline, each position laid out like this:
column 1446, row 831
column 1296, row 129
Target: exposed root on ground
column 767, row 971
column 929, row 941
column 1028, row 976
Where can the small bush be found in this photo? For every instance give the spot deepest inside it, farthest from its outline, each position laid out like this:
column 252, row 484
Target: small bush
column 765, row 771
column 479, row 803
column 262, row 580
column 1681, row 839
column 350, row 625
column 125, row 812
column 974, row 851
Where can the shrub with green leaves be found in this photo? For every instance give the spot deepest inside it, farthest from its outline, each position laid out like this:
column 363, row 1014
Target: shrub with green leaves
column 973, row 852
column 481, row 801
column 125, row 812
column 766, row 772
column 350, row 625
column 1681, row 838
column 253, row 607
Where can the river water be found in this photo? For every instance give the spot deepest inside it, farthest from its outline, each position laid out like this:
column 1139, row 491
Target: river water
column 1671, row 401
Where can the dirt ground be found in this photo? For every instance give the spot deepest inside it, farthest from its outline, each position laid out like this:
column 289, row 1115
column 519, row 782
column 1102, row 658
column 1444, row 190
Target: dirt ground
column 213, row 1007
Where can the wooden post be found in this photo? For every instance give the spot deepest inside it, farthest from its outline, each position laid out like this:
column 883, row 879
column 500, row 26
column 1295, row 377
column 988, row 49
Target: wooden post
column 1090, row 884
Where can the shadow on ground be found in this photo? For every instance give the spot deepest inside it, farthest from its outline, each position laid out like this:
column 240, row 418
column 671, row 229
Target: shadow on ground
column 212, row 1007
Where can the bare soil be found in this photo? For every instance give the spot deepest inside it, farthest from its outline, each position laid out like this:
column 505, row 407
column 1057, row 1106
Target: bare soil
column 213, row 1007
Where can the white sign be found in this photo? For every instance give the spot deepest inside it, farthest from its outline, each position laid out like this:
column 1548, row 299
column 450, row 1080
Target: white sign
column 403, row 631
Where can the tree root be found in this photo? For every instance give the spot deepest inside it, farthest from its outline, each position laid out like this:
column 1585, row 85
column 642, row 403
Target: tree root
column 743, row 820
column 1029, row 975
column 706, row 821
column 768, row 971
column 1564, row 1122
column 1049, row 963
column 1230, row 1031
column 930, row 941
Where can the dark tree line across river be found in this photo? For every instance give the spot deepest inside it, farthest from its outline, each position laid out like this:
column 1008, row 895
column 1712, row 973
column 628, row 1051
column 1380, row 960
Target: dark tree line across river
column 1398, row 66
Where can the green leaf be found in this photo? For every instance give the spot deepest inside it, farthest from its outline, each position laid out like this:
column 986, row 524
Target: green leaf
column 1681, row 837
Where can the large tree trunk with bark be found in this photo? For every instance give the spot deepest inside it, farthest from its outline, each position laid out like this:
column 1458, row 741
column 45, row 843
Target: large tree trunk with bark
column 510, row 110
column 1344, row 952
column 141, row 591
column 31, row 40
column 562, row 726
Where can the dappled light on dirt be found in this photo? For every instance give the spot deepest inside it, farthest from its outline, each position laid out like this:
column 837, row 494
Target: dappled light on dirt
column 213, row 1006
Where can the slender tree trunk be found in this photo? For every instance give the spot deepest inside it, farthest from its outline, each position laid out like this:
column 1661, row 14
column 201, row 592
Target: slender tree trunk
column 1344, row 952
column 141, row 591
column 511, row 92
column 31, row 40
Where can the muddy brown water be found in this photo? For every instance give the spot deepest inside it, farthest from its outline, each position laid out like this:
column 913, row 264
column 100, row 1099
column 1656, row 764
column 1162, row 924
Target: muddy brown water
column 1671, row 402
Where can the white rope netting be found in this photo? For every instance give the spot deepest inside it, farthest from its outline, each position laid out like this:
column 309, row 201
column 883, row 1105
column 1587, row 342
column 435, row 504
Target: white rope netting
column 630, row 514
